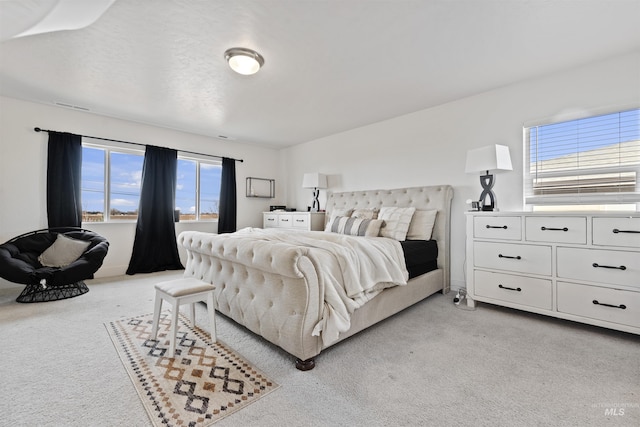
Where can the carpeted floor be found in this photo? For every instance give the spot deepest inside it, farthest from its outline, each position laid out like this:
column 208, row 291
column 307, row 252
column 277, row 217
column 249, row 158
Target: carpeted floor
column 431, row 365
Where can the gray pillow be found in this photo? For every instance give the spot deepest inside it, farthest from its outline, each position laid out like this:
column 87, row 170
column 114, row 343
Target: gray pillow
column 63, row 252
column 356, row 226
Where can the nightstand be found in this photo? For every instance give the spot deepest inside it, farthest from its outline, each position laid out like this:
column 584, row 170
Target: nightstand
column 309, row 221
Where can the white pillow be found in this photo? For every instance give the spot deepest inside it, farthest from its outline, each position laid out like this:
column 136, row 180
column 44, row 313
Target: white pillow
column 396, row 222
column 421, row 226
column 370, row 213
column 63, row 252
column 336, row 213
column 356, row 226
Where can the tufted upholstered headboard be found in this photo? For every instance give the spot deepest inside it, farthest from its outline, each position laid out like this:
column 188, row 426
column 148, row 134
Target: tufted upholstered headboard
column 422, row 198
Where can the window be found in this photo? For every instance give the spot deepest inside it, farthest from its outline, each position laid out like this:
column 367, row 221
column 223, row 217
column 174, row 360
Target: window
column 116, row 198
column 125, row 179
column 209, row 201
column 594, row 161
column 92, row 184
column 198, row 189
column 186, row 189
column 124, row 169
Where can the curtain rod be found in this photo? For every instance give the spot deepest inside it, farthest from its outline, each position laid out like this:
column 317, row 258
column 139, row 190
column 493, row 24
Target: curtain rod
column 37, row 129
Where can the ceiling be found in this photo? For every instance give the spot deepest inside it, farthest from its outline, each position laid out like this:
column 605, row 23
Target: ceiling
column 329, row 66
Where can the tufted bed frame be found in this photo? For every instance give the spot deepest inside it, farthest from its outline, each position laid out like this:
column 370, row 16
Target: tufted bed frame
column 273, row 289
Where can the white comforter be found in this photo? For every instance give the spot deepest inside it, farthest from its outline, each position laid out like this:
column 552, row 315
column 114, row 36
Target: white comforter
column 351, row 270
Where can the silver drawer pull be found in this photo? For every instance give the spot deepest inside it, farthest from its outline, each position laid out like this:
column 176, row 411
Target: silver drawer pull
column 554, row 229
column 270, row 219
column 510, row 257
column 510, row 289
column 596, row 265
column 284, row 220
column 616, row 231
column 497, row 226
column 299, row 220
column 621, row 306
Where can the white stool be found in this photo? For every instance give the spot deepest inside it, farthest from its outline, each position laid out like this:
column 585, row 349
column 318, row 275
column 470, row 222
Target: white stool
column 187, row 290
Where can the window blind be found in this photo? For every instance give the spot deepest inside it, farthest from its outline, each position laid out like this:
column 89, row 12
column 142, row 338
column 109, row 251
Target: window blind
column 589, row 160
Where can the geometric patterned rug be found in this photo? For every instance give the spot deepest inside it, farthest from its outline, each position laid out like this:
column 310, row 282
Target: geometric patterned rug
column 202, row 384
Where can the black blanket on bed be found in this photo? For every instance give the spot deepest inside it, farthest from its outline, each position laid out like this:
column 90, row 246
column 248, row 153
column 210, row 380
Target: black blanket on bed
column 420, row 256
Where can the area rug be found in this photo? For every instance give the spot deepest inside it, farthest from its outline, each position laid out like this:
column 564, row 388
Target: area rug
column 202, row 384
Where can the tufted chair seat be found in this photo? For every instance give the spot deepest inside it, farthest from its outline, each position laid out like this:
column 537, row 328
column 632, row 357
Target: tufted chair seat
column 19, row 264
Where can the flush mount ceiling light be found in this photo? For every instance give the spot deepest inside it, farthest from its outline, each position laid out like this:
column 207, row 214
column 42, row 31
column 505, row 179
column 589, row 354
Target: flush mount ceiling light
column 244, row 61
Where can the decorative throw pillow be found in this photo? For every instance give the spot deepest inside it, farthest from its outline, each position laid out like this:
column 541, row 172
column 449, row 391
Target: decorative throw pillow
column 365, row 213
column 421, row 226
column 336, row 213
column 356, row 226
column 396, row 222
column 63, row 251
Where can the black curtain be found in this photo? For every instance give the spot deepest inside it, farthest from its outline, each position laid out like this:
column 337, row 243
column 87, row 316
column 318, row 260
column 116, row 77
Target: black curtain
column 64, row 166
column 228, row 199
column 155, row 247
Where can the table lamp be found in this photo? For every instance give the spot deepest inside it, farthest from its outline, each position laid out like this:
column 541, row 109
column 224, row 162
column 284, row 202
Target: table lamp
column 490, row 158
column 315, row 181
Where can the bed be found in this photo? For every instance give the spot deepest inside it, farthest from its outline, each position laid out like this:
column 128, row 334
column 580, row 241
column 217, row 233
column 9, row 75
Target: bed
column 283, row 290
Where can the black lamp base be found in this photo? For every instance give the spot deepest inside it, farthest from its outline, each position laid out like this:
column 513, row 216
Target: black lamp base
column 316, row 202
column 487, row 197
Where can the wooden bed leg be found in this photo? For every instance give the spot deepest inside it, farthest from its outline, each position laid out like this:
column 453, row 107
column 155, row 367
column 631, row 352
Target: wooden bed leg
column 305, row 365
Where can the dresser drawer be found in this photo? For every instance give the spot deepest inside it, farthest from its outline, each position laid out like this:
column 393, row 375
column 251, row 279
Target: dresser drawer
column 556, row 229
column 616, row 232
column 513, row 257
column 285, row 220
column 595, row 265
column 516, row 289
column 270, row 220
column 300, row 221
column 610, row 305
column 497, row 227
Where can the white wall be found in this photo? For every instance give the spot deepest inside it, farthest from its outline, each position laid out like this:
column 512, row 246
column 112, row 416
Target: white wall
column 23, row 154
column 429, row 147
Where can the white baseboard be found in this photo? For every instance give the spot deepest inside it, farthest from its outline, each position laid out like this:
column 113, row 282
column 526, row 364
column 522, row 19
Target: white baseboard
column 111, row 271
column 458, row 284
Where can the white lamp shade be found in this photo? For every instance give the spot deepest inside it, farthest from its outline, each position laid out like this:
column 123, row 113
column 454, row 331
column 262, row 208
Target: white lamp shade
column 490, row 158
column 314, row 180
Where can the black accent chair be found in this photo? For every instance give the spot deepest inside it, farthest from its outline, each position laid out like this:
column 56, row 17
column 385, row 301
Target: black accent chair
column 19, row 264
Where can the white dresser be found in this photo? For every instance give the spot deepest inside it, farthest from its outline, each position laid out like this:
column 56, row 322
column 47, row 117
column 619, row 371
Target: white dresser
column 578, row 266
column 310, row 221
